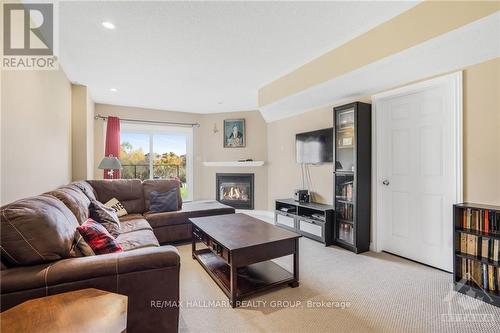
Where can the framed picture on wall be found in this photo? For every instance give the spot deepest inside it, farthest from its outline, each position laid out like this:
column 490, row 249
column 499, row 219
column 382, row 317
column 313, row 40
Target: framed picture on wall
column 234, row 133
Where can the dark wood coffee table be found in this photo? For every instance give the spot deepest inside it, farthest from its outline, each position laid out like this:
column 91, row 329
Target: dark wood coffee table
column 237, row 253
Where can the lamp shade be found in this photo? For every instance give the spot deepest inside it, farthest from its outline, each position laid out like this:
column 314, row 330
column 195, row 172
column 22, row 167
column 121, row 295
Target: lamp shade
column 111, row 163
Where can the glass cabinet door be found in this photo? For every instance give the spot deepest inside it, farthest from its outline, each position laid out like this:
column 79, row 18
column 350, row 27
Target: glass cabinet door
column 344, row 206
column 344, row 140
column 345, row 233
column 344, row 198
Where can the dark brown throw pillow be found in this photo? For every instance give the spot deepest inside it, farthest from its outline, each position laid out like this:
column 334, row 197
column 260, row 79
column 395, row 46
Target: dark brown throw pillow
column 105, row 216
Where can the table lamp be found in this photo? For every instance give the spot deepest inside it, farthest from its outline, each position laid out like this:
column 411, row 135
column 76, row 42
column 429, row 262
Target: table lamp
column 111, row 163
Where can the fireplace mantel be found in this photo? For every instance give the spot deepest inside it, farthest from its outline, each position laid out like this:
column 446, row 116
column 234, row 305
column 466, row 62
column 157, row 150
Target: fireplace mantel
column 247, row 164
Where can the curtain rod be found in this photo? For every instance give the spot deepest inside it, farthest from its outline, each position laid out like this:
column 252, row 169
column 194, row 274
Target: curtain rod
column 98, row 116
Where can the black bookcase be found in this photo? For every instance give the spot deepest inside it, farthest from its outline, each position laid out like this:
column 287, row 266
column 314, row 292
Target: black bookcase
column 352, row 176
column 476, row 251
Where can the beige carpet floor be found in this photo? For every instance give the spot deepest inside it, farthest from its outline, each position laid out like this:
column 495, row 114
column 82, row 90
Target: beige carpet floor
column 370, row 292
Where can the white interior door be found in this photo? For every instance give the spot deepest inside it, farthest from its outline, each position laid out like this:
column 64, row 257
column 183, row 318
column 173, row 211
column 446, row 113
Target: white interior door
column 419, row 169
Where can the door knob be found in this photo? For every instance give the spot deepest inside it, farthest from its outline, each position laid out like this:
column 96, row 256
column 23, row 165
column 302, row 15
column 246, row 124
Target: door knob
column 386, row 182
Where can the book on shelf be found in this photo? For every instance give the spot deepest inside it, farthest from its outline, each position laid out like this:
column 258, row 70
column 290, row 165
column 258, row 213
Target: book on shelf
column 346, row 233
column 482, row 220
column 346, row 190
column 485, row 248
column 484, row 276
column 480, row 246
column 491, row 278
column 477, row 250
column 345, row 211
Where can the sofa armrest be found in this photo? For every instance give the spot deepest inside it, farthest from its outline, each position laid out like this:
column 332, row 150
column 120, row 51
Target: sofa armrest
column 83, row 268
column 144, row 275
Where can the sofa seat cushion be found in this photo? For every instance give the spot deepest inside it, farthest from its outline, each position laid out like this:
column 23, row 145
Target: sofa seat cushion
column 75, row 200
column 137, row 239
column 129, row 217
column 37, row 230
column 189, row 209
column 133, row 224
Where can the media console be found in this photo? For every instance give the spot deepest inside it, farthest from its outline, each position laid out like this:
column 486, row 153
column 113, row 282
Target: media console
column 311, row 220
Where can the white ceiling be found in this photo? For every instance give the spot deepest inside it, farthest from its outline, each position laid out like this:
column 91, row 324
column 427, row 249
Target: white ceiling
column 202, row 56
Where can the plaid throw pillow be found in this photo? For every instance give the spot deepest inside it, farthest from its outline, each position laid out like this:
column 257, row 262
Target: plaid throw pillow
column 164, row 201
column 98, row 238
column 105, row 216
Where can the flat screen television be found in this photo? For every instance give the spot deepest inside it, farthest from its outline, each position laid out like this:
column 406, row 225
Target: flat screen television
column 315, row 147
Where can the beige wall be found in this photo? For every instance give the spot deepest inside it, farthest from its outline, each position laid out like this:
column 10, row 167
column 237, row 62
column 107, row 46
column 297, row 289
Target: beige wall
column 482, row 133
column 82, row 124
column 417, row 25
column 45, row 121
column 275, row 144
column 36, row 126
column 207, row 145
column 90, row 136
column 212, row 150
column 36, row 132
column 284, row 174
column 481, row 116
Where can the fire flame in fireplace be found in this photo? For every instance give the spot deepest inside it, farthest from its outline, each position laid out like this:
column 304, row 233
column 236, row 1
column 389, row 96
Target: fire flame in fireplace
column 234, row 193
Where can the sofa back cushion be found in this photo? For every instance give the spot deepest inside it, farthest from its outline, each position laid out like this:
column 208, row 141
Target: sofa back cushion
column 36, row 230
column 127, row 191
column 85, row 187
column 160, row 185
column 77, row 202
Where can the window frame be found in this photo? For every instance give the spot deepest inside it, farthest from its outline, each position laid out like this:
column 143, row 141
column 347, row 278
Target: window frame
column 153, row 130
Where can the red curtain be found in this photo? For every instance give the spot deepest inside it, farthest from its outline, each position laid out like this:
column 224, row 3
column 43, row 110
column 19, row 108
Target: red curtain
column 112, row 143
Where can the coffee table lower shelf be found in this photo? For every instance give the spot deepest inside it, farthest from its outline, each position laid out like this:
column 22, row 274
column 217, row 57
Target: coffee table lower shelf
column 251, row 279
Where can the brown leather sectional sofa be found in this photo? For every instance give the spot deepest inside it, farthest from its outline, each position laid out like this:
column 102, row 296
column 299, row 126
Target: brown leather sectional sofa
column 39, row 256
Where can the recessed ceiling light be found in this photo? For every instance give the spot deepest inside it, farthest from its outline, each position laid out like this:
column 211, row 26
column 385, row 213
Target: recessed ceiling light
column 108, row 25
column 220, row 103
column 113, row 89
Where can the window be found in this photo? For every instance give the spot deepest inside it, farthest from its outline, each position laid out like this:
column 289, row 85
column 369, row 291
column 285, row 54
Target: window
column 158, row 152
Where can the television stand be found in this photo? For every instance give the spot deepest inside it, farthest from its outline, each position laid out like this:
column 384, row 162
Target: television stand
column 312, row 220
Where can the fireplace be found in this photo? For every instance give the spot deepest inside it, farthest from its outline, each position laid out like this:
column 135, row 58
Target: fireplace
column 235, row 189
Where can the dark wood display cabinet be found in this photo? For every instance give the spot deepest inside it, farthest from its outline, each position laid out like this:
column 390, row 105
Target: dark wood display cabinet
column 352, row 176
